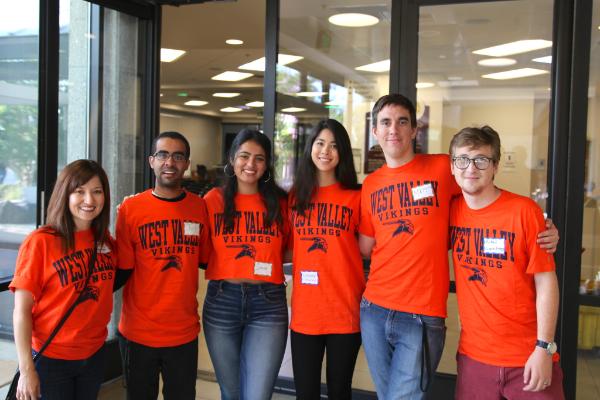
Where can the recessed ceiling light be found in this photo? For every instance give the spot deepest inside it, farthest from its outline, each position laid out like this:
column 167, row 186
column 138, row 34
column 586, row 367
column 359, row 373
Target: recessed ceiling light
column 255, row 104
column 310, row 94
column 259, row 65
column 234, row 42
column 161, row 95
column 196, row 103
column 545, row 60
column 293, row 109
column 170, row 55
column 226, row 95
column 515, row 73
column 231, row 76
column 231, row 109
column 379, row 66
column 518, row 47
column 497, row 62
column 424, row 85
column 353, row 20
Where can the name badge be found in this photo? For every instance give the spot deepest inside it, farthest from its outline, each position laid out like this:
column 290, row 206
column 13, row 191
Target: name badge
column 262, row 268
column 493, row 245
column 191, row 228
column 309, row 277
column 423, row 191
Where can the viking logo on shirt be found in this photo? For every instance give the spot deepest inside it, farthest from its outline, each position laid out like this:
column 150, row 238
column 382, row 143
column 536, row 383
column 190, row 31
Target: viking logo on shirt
column 172, row 262
column 404, row 225
column 478, row 275
column 90, row 293
column 318, row 243
column 247, row 250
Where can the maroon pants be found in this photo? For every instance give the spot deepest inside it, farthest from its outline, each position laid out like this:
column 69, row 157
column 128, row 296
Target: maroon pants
column 479, row 381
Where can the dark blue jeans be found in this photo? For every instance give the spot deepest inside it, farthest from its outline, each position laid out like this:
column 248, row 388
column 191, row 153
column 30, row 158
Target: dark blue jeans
column 142, row 366
column 71, row 379
column 246, row 330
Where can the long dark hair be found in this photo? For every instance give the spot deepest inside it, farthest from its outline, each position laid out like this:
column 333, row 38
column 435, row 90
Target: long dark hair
column 60, row 220
column 306, row 182
column 270, row 193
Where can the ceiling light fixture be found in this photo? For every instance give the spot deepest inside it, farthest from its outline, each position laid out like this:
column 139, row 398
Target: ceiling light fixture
column 333, row 103
column 515, row 73
column 379, row 66
column 497, row 62
column 170, row 55
column 518, row 47
column 231, row 76
column 231, row 109
column 234, row 42
column 195, row 103
column 293, row 109
column 455, row 83
column 545, row 60
column 226, row 95
column 259, row 65
column 255, row 104
column 310, row 94
column 353, row 20
column 424, row 85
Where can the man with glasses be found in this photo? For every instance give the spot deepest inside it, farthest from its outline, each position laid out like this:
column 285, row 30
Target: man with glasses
column 506, row 286
column 160, row 235
column 404, row 229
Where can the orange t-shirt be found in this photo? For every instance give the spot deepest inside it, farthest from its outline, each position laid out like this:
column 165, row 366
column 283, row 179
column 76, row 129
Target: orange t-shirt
column 55, row 278
column 406, row 210
column 161, row 240
column 495, row 258
column 328, row 270
column 250, row 250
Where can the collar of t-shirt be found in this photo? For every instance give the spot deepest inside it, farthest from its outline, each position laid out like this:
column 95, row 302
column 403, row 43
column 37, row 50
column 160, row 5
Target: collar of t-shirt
column 178, row 198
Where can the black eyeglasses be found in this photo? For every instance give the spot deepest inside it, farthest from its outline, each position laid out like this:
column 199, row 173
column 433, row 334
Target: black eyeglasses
column 165, row 155
column 480, row 162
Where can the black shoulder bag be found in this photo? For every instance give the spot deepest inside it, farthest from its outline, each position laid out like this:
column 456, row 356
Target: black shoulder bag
column 12, row 391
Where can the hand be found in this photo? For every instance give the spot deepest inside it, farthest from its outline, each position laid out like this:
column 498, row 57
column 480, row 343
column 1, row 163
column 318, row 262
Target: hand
column 549, row 238
column 538, row 371
column 28, row 387
column 124, row 198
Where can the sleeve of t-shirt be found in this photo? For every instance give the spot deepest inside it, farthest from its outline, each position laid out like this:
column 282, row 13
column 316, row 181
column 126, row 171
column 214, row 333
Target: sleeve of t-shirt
column 29, row 269
column 125, row 246
column 365, row 226
column 533, row 223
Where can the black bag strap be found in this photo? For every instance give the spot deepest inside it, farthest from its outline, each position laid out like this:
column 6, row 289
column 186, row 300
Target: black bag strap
column 69, row 311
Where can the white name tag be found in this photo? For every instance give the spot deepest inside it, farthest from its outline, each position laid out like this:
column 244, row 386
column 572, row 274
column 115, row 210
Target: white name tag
column 309, row 277
column 493, row 245
column 191, row 228
column 262, row 268
column 423, row 191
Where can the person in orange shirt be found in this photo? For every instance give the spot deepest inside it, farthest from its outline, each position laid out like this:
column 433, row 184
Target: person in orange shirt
column 405, row 208
column 161, row 234
column 328, row 270
column 52, row 269
column 245, row 313
column 506, row 286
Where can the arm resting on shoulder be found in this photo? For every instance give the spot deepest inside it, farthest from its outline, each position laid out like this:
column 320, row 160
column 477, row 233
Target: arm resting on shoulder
column 548, row 239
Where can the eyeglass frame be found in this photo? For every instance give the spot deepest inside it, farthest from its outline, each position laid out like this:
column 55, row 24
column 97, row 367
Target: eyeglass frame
column 168, row 155
column 488, row 159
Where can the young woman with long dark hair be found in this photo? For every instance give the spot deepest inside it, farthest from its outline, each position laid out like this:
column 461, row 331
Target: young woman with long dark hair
column 51, row 271
column 328, row 271
column 245, row 310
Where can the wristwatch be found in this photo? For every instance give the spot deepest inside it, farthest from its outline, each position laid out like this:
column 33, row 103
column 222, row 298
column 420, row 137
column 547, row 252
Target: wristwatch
column 549, row 347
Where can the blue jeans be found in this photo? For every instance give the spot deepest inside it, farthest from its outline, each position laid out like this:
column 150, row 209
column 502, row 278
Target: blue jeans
column 396, row 350
column 71, row 379
column 245, row 327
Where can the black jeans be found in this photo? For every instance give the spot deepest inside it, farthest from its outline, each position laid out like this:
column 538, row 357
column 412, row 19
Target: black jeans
column 307, row 359
column 142, row 366
column 71, row 379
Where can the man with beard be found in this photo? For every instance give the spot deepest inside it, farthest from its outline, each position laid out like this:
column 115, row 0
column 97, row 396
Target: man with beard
column 160, row 235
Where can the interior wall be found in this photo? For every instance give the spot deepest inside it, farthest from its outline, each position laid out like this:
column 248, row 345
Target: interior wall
column 203, row 133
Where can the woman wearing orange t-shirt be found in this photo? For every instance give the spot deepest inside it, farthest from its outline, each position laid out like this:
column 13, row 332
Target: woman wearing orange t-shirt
column 328, row 271
column 245, row 310
column 51, row 271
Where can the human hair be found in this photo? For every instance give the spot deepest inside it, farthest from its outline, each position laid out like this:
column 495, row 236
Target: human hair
column 397, row 100
column 306, row 182
column 477, row 137
column 269, row 191
column 172, row 135
column 60, row 220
